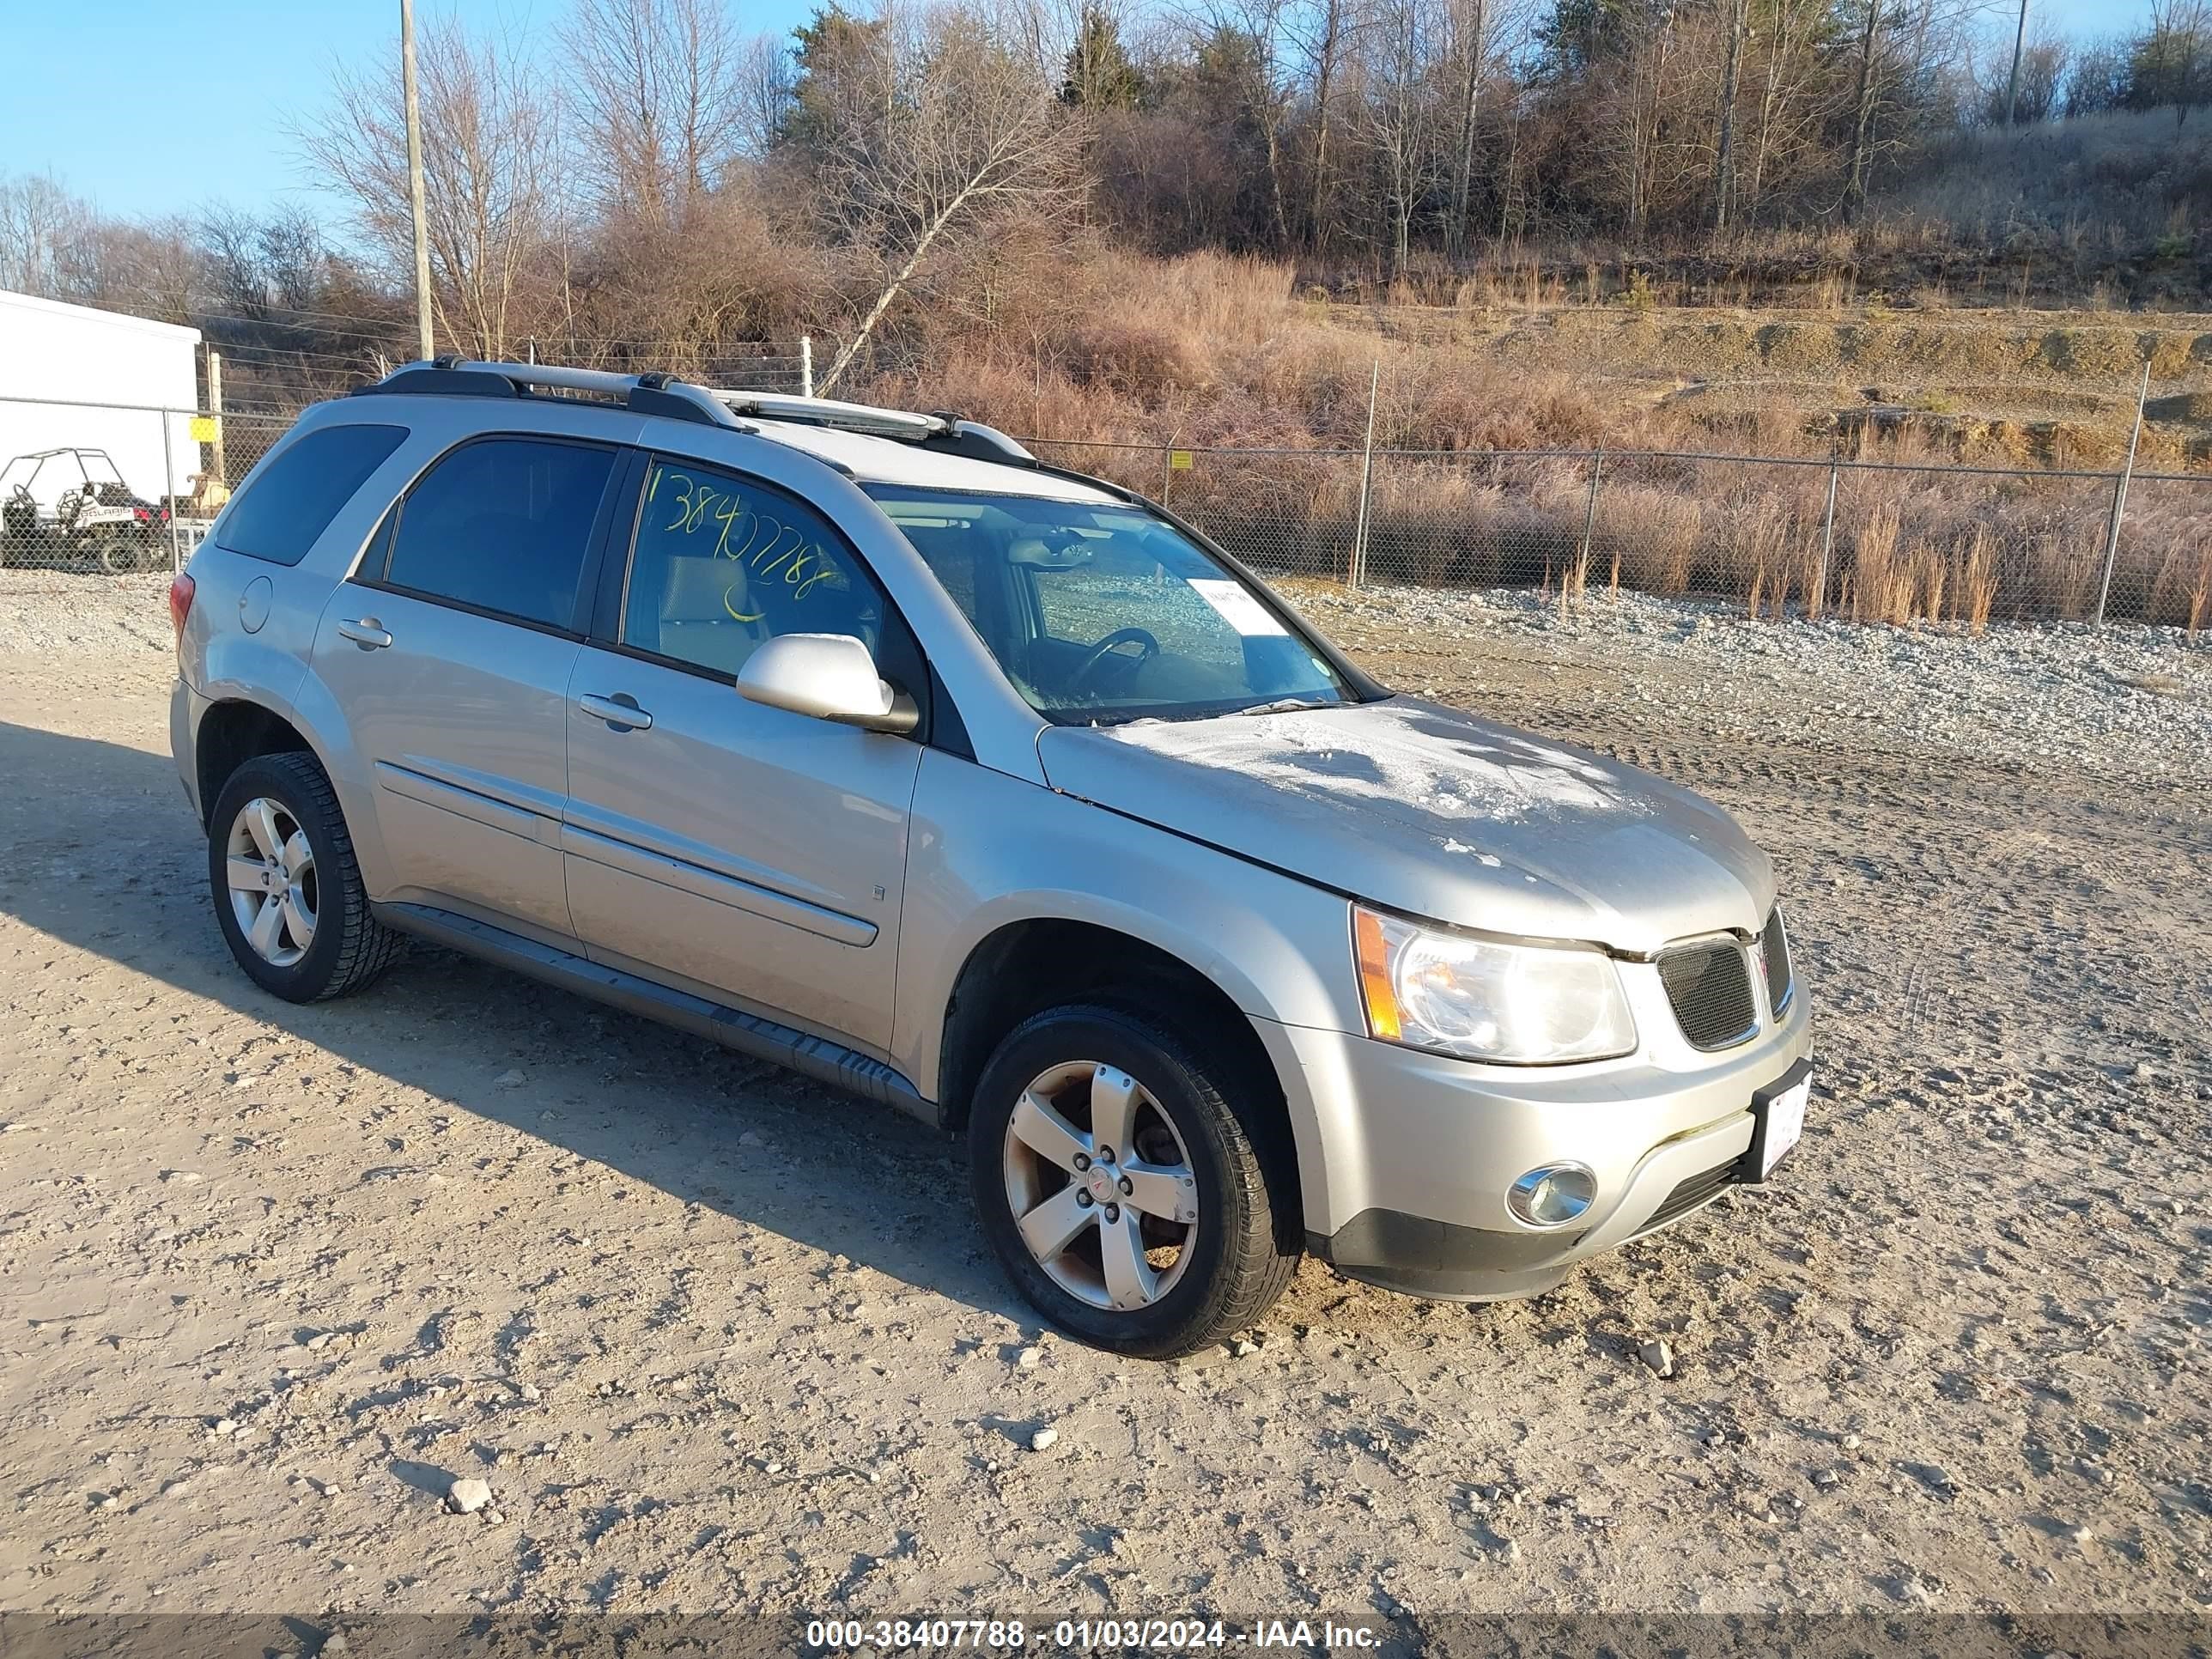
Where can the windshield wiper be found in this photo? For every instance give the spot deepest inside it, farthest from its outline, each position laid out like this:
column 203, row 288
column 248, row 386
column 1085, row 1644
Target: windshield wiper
column 1289, row 705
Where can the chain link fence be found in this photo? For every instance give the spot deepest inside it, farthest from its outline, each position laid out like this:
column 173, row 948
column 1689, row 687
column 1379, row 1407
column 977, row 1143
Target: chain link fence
column 101, row 490
column 106, row 490
column 1866, row 539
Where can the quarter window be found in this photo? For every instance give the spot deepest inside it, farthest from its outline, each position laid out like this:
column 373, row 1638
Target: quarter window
column 722, row 563
column 282, row 513
column 503, row 524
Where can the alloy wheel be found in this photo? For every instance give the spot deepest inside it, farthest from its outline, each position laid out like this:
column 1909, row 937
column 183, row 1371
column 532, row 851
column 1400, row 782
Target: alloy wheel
column 271, row 875
column 1101, row 1185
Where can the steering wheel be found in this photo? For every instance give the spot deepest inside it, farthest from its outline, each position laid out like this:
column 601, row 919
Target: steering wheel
column 1100, row 652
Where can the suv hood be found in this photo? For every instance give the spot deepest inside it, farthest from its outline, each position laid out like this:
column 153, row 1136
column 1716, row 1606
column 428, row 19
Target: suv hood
column 1426, row 810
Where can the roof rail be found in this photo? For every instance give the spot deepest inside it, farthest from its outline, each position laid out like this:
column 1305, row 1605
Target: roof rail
column 658, row 393
column 653, row 393
column 942, row 431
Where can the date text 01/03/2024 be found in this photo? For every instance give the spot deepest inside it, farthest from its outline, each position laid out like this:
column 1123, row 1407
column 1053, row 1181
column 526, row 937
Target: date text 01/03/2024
column 1086, row 1635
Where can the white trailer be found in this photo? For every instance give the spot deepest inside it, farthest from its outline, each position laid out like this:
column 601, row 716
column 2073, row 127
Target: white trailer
column 56, row 358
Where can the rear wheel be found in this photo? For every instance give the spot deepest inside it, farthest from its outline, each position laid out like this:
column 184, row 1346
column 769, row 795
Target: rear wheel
column 119, row 554
column 1121, row 1187
column 288, row 892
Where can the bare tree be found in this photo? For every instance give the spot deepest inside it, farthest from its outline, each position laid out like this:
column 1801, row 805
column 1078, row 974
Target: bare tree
column 1638, row 81
column 1792, row 102
column 661, row 101
column 1738, row 26
column 763, row 86
column 1469, row 25
column 1266, row 89
column 2171, row 61
column 940, row 130
column 40, row 224
column 489, row 132
column 1323, row 30
column 1899, row 51
column 1864, row 102
column 1395, row 120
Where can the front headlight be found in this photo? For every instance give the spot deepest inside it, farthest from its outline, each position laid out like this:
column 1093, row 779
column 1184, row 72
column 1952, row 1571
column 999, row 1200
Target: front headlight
column 1480, row 999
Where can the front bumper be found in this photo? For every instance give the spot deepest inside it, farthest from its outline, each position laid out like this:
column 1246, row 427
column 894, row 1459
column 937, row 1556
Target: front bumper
column 1418, row 1150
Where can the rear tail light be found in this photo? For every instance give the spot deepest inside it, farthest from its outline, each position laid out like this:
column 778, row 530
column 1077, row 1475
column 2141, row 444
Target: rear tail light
column 141, row 515
column 181, row 601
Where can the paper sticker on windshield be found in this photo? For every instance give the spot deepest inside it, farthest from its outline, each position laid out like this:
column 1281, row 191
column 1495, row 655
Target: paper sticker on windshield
column 1238, row 608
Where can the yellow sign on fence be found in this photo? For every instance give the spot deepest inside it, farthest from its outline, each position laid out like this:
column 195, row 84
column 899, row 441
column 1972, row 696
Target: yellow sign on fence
column 1179, row 460
column 206, row 428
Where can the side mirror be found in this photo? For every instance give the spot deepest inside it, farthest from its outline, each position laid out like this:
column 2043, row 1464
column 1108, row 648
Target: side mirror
column 831, row 676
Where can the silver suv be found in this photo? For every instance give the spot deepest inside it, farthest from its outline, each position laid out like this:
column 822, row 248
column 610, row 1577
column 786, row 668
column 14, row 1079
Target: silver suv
column 864, row 742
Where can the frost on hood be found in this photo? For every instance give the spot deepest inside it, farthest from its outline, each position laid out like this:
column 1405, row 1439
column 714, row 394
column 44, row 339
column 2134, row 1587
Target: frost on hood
column 1419, row 765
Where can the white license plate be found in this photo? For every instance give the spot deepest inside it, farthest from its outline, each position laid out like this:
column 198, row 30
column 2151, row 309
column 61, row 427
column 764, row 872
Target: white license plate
column 1785, row 1123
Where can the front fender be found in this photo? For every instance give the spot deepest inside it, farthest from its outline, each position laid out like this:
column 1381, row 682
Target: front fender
column 987, row 850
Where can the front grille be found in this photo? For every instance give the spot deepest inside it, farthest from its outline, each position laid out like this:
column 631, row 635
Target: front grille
column 1698, row 1189
column 1774, row 951
column 1710, row 987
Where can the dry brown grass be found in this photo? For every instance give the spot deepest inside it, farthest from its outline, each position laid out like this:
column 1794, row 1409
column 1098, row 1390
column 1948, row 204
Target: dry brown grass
column 1490, row 485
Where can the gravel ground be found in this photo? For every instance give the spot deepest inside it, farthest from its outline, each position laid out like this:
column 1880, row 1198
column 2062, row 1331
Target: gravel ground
column 2124, row 699
column 61, row 614
column 273, row 1279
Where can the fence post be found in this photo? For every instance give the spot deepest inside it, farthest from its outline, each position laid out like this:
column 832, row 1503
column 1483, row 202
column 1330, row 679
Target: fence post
column 1590, row 525
column 2120, row 499
column 806, row 365
column 169, row 492
column 1366, row 483
column 215, row 408
column 1817, row 598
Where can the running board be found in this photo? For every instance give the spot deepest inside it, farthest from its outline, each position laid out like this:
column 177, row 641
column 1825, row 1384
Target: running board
column 749, row 1034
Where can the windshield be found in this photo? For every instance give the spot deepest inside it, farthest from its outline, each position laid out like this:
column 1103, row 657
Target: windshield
column 1106, row 613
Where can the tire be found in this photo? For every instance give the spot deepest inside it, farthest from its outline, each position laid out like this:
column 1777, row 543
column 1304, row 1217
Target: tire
column 119, row 555
column 1192, row 1146
column 345, row 948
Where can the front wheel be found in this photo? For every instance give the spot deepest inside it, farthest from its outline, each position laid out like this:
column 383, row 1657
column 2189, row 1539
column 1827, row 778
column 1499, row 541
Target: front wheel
column 1121, row 1190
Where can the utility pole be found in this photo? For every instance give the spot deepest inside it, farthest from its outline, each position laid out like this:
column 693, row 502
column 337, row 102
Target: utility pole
column 415, row 175
column 2012, row 86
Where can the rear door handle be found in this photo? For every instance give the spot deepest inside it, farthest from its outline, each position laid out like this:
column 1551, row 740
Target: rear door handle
column 619, row 711
column 365, row 632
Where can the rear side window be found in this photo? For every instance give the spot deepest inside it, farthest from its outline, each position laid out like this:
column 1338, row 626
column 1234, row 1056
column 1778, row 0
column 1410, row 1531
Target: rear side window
column 503, row 526
column 278, row 516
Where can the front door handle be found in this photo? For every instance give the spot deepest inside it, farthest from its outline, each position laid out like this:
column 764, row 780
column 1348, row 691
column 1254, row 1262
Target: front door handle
column 366, row 632
column 619, row 711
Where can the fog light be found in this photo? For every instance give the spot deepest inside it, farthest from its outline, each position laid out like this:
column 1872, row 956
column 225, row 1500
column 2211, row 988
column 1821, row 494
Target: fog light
column 1553, row 1196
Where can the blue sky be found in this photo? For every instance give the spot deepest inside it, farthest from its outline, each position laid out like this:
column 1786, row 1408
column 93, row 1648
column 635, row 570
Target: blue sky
column 178, row 103
column 181, row 103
